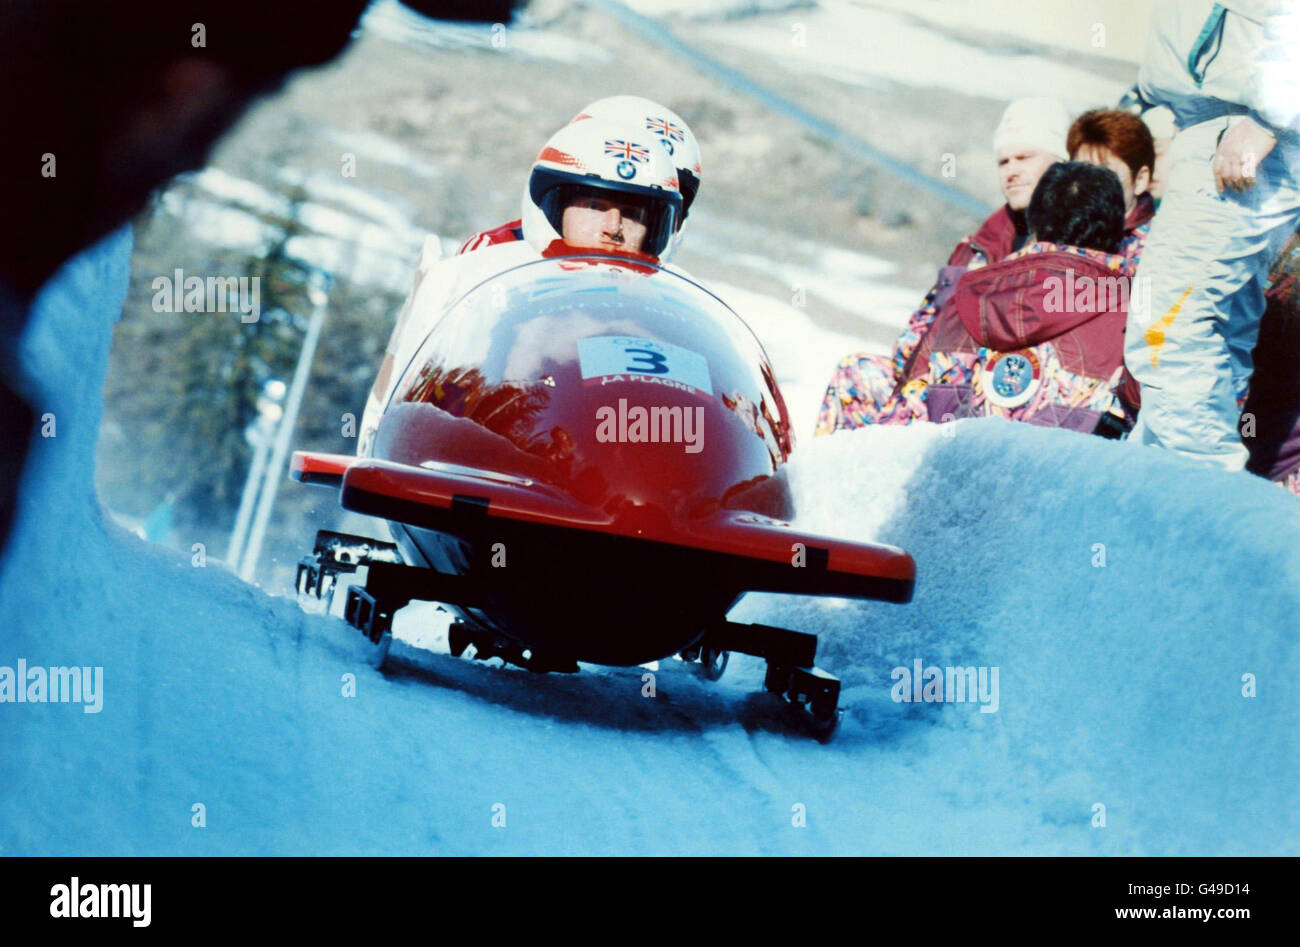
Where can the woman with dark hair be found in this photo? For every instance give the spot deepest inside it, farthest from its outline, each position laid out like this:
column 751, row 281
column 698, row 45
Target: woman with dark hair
column 1028, row 140
column 1039, row 336
column 1079, row 204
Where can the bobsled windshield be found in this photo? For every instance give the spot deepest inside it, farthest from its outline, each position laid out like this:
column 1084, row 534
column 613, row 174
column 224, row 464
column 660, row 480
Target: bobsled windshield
column 513, row 325
column 536, row 356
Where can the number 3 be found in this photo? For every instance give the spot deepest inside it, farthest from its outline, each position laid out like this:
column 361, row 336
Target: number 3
column 657, row 360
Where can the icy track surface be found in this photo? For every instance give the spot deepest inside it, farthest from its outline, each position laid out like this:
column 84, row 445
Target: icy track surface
column 1120, row 686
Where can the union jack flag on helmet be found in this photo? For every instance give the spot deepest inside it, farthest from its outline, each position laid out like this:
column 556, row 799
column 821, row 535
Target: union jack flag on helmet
column 627, row 150
column 665, row 128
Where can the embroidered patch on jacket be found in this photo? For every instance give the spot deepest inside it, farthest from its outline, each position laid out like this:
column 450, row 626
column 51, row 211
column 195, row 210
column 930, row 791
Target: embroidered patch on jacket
column 1012, row 378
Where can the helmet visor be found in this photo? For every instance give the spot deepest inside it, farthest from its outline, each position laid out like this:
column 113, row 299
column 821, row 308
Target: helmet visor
column 651, row 214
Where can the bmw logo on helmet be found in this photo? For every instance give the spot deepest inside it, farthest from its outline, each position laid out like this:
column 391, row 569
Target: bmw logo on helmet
column 626, row 170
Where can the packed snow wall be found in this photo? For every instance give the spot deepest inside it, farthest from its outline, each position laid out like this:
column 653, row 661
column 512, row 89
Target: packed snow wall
column 1142, row 613
column 1130, row 602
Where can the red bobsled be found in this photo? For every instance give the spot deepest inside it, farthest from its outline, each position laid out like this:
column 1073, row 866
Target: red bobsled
column 584, row 459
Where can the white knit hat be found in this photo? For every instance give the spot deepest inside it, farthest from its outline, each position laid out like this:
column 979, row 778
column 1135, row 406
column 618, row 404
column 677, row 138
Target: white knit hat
column 1038, row 123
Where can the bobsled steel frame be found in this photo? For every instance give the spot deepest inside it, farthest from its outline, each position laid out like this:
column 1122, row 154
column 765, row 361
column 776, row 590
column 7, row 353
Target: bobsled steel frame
column 391, row 585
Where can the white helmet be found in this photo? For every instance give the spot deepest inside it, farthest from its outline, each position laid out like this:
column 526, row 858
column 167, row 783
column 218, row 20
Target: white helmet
column 611, row 161
column 665, row 125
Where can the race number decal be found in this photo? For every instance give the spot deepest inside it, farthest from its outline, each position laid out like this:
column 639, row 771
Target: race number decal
column 631, row 359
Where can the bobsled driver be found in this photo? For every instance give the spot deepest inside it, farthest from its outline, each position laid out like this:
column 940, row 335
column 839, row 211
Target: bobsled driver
column 596, row 185
column 655, row 121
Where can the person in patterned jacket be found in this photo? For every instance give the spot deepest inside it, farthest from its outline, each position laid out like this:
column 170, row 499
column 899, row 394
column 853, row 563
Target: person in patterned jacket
column 1029, row 139
column 1039, row 336
column 864, row 384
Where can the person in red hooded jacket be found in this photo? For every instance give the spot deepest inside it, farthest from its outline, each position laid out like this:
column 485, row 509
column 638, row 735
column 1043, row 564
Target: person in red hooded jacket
column 1029, row 139
column 1038, row 337
column 865, row 388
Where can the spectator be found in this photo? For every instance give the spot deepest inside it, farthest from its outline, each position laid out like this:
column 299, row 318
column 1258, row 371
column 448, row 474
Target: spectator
column 1120, row 141
column 1074, row 205
column 1231, row 75
column 1037, row 337
column 1270, row 421
column 1028, row 140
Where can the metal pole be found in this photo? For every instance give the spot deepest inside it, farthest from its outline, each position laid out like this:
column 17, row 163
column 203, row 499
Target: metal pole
column 274, row 470
column 261, row 450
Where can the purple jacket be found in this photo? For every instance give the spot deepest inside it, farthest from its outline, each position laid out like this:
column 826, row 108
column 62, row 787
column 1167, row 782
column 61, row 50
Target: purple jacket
column 1273, row 405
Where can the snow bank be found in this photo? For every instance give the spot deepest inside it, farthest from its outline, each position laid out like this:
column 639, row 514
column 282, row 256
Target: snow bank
column 1123, row 593
column 206, row 681
column 1120, row 686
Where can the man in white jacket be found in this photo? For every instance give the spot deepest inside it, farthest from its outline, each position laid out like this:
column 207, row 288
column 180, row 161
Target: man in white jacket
column 1231, row 74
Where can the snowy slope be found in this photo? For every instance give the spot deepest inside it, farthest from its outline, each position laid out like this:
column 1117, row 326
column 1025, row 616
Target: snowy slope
column 1120, row 686
column 1111, row 28
column 803, row 355
column 878, row 48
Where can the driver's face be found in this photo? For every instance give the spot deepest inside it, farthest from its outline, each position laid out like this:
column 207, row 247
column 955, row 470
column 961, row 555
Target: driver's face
column 602, row 224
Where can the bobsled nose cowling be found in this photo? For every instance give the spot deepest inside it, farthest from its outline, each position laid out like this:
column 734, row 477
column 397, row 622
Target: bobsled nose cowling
column 600, row 449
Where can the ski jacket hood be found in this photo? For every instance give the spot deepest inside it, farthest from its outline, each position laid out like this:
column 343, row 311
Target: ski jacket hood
column 1044, row 292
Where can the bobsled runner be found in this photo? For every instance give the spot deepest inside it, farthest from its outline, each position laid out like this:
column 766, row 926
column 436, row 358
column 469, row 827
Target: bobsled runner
column 584, row 461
